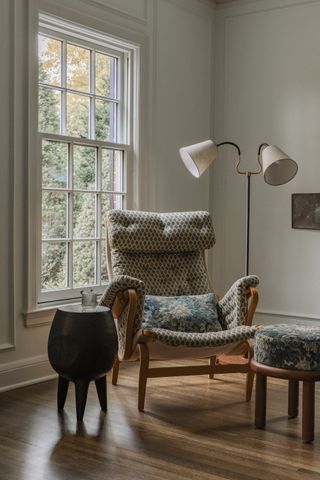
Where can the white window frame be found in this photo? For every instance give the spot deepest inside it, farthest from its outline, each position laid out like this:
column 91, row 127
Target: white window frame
column 129, row 81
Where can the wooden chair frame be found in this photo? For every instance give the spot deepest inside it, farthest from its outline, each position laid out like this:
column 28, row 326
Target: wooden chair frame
column 237, row 361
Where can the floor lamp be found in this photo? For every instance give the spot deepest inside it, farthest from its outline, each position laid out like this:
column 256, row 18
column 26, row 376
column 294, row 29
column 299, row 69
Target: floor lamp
column 277, row 167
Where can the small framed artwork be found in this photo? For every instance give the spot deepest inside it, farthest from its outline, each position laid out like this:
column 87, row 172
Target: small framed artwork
column 306, row 211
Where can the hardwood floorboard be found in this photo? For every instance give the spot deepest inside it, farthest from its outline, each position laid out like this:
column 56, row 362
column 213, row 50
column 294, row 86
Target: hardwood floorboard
column 192, row 428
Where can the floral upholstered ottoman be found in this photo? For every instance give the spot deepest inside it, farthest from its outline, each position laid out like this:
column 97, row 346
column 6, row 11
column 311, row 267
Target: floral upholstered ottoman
column 291, row 352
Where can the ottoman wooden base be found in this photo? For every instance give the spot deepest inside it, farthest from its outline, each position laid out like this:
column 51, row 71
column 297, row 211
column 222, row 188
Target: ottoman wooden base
column 308, row 379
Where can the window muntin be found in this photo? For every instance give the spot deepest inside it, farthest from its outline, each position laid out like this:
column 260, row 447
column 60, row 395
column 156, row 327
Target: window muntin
column 81, row 124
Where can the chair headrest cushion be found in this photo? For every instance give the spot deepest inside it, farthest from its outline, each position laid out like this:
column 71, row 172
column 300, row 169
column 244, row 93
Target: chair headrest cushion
column 148, row 232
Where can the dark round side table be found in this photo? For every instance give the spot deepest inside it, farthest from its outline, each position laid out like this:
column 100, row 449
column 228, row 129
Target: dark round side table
column 82, row 347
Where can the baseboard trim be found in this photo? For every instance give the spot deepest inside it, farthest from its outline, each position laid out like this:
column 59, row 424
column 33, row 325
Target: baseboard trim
column 28, row 371
column 273, row 313
column 26, row 383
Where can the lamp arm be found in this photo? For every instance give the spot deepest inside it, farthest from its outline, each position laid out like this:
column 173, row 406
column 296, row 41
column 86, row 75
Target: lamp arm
column 230, row 143
column 263, row 145
column 239, row 154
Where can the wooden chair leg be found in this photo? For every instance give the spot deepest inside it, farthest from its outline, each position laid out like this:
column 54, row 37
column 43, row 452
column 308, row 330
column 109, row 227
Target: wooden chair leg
column 115, row 372
column 308, row 411
column 249, row 385
column 293, row 398
column 212, row 362
column 261, row 401
column 143, row 375
column 250, row 373
column 101, row 387
column 63, row 385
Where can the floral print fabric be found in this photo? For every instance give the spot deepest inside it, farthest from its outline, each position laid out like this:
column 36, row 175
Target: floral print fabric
column 186, row 313
column 288, row 346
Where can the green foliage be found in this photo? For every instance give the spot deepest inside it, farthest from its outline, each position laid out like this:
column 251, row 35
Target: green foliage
column 55, row 170
column 49, row 106
column 54, row 265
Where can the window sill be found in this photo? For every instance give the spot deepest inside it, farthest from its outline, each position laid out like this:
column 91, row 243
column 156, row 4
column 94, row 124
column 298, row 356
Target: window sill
column 40, row 316
column 43, row 315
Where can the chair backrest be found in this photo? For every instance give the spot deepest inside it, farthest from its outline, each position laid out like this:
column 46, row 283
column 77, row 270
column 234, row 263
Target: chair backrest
column 164, row 250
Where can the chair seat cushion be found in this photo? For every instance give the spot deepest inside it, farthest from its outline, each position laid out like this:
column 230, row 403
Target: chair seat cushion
column 288, row 346
column 185, row 313
column 206, row 339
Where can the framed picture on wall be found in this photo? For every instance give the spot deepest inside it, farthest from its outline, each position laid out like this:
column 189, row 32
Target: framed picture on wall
column 306, row 211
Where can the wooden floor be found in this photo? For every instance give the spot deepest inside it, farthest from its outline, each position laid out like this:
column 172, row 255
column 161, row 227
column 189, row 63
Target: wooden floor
column 193, row 428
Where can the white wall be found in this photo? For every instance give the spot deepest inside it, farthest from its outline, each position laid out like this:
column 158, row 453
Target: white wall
column 176, row 49
column 268, row 90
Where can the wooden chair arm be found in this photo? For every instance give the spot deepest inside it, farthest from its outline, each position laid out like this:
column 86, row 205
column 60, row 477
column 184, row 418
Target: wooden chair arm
column 253, row 297
column 121, row 301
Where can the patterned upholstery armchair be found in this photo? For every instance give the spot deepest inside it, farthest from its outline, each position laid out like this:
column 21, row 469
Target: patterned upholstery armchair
column 154, row 257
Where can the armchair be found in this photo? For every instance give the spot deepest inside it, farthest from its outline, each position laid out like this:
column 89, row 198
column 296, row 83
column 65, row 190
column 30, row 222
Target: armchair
column 152, row 256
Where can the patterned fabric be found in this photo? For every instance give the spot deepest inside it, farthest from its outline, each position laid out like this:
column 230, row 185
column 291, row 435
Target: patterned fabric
column 166, row 252
column 167, row 274
column 233, row 307
column 187, row 313
column 288, row 346
column 120, row 284
column 147, row 232
column 208, row 339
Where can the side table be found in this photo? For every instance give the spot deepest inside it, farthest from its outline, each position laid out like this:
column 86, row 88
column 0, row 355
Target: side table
column 82, row 347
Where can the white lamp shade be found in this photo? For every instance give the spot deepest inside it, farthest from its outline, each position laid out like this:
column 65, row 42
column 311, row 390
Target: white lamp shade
column 199, row 156
column 277, row 167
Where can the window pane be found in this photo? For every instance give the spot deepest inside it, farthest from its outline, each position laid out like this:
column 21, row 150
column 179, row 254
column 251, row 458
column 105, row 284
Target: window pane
column 54, row 265
column 112, row 170
column 49, row 51
column 78, row 68
column 106, row 120
column 54, row 215
column 103, row 267
column 54, row 164
column 49, row 110
column 77, row 115
column 84, row 168
column 107, row 169
column 84, row 263
column 106, row 75
column 84, row 215
column 109, row 202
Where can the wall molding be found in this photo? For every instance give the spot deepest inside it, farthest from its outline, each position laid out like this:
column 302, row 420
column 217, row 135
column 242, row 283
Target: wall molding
column 248, row 7
column 27, row 383
column 6, row 346
column 24, row 363
column 21, row 373
column 35, row 318
column 191, row 7
column 14, row 130
column 100, row 4
column 292, row 315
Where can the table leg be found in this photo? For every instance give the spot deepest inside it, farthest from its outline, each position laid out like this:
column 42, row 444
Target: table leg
column 261, row 401
column 101, row 386
column 293, row 398
column 63, row 385
column 308, row 411
column 81, row 397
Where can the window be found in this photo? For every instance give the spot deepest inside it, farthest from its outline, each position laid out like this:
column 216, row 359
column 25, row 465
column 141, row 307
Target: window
column 84, row 144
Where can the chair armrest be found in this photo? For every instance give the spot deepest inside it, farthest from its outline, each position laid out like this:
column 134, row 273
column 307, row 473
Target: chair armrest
column 125, row 296
column 233, row 307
